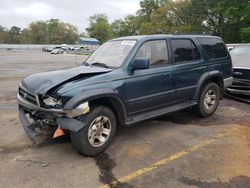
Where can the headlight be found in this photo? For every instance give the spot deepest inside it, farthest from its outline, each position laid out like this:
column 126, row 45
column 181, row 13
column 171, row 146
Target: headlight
column 79, row 110
column 49, row 101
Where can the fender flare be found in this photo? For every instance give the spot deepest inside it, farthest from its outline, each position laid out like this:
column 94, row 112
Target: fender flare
column 203, row 79
column 92, row 95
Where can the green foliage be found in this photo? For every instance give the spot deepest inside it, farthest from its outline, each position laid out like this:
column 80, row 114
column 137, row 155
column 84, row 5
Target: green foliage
column 125, row 27
column 229, row 19
column 223, row 18
column 245, row 34
column 100, row 28
column 40, row 32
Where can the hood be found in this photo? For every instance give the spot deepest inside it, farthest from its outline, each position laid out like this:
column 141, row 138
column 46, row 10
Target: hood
column 42, row 82
column 241, row 60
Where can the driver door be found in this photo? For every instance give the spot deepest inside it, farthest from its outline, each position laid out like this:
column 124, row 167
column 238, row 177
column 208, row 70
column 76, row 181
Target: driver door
column 152, row 88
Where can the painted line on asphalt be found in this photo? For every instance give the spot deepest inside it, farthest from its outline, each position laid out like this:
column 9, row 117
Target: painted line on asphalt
column 162, row 162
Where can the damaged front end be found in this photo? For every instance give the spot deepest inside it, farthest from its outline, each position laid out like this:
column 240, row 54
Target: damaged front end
column 239, row 90
column 40, row 115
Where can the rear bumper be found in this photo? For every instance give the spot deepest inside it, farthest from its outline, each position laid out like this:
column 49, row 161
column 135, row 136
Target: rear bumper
column 228, row 82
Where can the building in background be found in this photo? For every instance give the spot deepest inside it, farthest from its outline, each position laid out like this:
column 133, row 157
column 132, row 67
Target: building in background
column 89, row 41
column 91, row 44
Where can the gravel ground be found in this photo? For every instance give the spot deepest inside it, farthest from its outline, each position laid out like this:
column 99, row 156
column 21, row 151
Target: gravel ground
column 176, row 150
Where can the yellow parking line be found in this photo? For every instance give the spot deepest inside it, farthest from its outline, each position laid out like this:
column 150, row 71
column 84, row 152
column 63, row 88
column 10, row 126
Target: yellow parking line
column 165, row 161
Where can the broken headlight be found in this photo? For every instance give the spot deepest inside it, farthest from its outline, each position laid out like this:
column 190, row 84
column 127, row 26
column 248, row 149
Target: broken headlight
column 49, row 101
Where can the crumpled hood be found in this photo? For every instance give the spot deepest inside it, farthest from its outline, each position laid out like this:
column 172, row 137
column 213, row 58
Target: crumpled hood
column 42, row 82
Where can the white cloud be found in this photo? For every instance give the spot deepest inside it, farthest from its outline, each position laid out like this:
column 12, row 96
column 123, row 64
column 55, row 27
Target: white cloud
column 128, row 7
column 22, row 12
column 36, row 10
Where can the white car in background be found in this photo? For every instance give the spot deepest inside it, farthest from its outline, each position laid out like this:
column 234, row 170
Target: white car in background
column 57, row 51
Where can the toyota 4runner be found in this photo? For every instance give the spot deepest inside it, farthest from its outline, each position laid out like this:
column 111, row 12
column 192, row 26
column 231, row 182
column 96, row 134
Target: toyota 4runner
column 125, row 81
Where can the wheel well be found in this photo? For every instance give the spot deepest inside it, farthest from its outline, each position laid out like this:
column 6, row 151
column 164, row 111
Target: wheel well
column 114, row 104
column 217, row 80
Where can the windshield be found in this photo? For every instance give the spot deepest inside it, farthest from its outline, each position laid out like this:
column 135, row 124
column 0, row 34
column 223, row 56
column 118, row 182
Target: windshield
column 112, row 53
column 241, row 50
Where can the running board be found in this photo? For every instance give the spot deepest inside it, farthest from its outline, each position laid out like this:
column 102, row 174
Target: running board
column 148, row 115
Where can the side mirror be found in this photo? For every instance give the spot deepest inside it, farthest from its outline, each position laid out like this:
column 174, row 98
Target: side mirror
column 138, row 64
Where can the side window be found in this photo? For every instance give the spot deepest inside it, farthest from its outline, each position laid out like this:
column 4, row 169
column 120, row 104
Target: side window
column 156, row 51
column 184, row 50
column 214, row 47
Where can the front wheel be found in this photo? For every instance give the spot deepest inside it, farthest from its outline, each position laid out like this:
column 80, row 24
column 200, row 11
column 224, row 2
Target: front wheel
column 98, row 133
column 209, row 100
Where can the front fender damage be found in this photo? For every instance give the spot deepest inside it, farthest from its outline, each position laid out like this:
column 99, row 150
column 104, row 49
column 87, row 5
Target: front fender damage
column 72, row 125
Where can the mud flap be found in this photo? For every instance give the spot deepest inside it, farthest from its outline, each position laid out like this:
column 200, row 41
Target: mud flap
column 30, row 131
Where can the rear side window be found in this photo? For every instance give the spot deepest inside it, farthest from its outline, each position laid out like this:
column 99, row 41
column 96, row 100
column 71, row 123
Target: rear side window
column 214, row 47
column 184, row 50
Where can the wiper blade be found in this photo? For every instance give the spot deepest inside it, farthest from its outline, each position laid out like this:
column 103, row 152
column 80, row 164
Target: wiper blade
column 85, row 63
column 100, row 65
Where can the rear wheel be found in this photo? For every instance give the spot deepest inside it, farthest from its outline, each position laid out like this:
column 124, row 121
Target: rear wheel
column 98, row 133
column 209, row 100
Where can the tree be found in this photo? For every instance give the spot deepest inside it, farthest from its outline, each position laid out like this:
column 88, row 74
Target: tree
column 3, row 34
column 38, row 32
column 99, row 27
column 148, row 8
column 124, row 27
column 171, row 17
column 223, row 18
column 14, row 35
column 52, row 31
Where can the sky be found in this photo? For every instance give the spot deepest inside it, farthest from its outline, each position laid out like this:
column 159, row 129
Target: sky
column 22, row 12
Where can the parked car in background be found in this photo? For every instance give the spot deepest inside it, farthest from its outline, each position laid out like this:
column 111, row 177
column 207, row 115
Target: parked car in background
column 125, row 81
column 47, row 49
column 57, row 51
column 240, row 89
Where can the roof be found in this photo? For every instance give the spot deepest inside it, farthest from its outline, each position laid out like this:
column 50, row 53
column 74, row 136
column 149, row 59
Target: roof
column 155, row 36
column 89, row 39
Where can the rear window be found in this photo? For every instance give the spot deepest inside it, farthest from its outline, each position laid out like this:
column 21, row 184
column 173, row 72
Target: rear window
column 184, row 50
column 214, row 47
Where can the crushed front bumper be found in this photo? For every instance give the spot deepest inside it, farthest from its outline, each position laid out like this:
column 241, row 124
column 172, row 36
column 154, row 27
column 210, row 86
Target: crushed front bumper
column 30, row 131
column 239, row 90
column 60, row 117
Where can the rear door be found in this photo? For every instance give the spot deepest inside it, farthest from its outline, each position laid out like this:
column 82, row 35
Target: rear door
column 188, row 68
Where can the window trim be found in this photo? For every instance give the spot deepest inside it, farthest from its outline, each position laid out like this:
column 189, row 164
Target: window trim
column 185, row 62
column 150, row 40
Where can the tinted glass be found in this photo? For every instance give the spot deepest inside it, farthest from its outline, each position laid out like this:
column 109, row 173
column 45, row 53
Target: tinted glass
column 213, row 47
column 184, row 50
column 156, row 51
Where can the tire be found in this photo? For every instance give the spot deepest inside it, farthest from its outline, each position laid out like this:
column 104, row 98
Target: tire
column 209, row 100
column 92, row 140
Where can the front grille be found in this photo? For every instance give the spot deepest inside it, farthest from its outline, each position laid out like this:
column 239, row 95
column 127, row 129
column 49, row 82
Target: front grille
column 241, row 84
column 28, row 96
